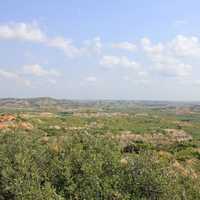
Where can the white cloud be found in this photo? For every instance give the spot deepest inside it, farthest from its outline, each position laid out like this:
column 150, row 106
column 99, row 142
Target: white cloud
column 180, row 46
column 125, row 46
column 169, row 59
column 145, row 41
column 22, row 31
column 110, row 60
column 13, row 76
column 63, row 44
column 33, row 70
column 94, row 45
column 38, row 70
column 32, row 32
column 89, row 47
column 185, row 46
column 123, row 61
column 174, row 58
column 174, row 69
column 151, row 49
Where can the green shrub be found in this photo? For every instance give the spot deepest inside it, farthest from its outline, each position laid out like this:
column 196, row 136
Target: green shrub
column 83, row 166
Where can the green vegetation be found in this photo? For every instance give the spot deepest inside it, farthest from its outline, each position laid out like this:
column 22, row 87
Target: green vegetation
column 83, row 166
column 102, row 151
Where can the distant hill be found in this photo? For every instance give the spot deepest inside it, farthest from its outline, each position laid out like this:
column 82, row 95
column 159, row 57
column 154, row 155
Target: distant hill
column 47, row 103
column 30, row 103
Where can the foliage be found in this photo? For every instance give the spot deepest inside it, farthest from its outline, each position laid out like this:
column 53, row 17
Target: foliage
column 83, row 166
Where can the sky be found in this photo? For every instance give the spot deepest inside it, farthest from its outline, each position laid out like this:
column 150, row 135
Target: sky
column 91, row 49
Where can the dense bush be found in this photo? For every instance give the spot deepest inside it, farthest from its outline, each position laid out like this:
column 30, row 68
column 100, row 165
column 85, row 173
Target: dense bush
column 82, row 166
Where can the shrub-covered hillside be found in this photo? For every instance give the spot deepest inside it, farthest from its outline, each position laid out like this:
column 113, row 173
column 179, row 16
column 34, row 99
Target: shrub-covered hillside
column 92, row 154
column 83, row 166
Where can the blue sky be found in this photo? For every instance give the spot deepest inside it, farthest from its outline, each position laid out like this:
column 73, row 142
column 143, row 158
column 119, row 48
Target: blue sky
column 117, row 49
